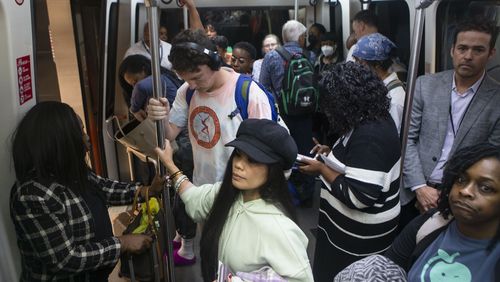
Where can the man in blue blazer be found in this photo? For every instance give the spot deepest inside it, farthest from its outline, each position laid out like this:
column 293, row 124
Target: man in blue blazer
column 451, row 110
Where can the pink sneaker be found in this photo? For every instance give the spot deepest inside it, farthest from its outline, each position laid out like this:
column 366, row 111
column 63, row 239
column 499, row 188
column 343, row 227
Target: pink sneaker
column 182, row 261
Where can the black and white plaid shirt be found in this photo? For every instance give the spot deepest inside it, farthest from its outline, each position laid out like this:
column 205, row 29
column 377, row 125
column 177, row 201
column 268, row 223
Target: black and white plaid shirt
column 55, row 229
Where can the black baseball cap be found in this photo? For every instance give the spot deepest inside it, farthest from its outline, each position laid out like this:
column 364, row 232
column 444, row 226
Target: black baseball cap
column 265, row 141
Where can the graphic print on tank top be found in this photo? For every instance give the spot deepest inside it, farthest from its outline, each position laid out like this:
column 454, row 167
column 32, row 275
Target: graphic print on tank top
column 205, row 126
column 444, row 267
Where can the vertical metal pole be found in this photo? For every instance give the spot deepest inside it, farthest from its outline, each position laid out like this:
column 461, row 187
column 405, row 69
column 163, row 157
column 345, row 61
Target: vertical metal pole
column 185, row 16
column 296, row 10
column 152, row 14
column 418, row 29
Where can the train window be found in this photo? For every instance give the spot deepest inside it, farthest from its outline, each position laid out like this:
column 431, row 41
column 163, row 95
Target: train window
column 237, row 24
column 336, row 25
column 394, row 22
column 449, row 13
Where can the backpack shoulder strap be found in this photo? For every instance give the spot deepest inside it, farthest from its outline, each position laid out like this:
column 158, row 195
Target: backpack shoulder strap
column 306, row 54
column 241, row 93
column 426, row 234
column 395, row 84
column 436, row 221
column 189, row 95
column 284, row 53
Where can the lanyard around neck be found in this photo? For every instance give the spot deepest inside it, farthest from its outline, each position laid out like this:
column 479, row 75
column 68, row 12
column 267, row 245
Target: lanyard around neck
column 147, row 49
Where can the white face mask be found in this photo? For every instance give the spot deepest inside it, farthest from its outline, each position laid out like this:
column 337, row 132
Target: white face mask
column 327, row 50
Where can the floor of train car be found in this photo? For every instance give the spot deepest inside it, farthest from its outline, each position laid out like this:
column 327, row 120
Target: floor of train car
column 308, row 218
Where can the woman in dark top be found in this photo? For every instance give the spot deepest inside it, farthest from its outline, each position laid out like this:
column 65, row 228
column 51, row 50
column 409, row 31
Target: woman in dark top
column 59, row 206
column 359, row 204
column 459, row 241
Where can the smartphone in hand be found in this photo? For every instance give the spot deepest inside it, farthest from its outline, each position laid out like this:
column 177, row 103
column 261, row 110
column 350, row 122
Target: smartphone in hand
column 299, row 161
column 301, row 158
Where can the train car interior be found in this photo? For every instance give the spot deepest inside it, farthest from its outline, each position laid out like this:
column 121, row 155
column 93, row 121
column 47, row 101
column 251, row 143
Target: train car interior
column 76, row 48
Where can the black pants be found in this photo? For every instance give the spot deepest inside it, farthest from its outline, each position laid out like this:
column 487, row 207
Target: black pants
column 183, row 158
column 408, row 213
column 301, row 130
column 185, row 226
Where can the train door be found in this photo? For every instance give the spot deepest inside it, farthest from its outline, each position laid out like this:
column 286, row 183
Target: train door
column 336, row 25
column 395, row 20
column 119, row 32
column 116, row 38
column 17, row 65
column 340, row 14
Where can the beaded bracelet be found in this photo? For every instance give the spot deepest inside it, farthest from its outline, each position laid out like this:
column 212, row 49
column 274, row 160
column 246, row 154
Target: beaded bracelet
column 173, row 175
column 178, row 183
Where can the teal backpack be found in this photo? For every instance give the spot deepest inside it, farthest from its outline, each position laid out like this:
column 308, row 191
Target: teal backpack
column 299, row 95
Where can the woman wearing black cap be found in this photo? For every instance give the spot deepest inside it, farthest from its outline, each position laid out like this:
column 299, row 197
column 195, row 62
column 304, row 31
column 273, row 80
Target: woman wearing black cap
column 249, row 216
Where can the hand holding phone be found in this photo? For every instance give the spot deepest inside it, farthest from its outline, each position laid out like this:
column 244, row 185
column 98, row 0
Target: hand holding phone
column 301, row 158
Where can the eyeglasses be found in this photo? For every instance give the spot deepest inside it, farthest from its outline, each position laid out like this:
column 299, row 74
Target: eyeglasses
column 241, row 60
column 270, row 45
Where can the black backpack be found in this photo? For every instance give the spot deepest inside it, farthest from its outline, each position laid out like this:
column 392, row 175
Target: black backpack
column 299, row 95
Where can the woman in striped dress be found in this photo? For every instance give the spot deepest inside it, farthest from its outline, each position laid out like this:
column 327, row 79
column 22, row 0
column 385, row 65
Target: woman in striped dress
column 359, row 206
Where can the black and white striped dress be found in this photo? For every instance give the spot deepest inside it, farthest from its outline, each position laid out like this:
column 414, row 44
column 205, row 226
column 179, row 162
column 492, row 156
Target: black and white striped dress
column 359, row 211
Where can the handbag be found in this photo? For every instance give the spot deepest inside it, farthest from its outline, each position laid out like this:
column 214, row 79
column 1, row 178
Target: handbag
column 141, row 136
column 148, row 265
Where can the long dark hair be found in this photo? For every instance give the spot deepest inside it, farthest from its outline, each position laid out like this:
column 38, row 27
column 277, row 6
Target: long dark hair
column 351, row 94
column 275, row 190
column 48, row 145
column 462, row 160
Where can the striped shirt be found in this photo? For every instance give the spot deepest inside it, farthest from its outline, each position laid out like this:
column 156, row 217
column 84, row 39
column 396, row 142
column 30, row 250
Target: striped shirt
column 359, row 212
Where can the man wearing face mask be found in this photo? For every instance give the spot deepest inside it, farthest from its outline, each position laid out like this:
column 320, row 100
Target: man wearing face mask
column 316, row 31
column 329, row 54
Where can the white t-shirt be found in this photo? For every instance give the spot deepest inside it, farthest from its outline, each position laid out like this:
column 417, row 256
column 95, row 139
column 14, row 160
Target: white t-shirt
column 140, row 48
column 257, row 65
column 210, row 126
column 349, row 57
column 397, row 96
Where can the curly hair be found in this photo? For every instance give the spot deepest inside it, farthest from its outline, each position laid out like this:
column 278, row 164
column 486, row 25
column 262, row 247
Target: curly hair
column 189, row 60
column 351, row 94
column 462, row 160
column 220, row 41
column 248, row 47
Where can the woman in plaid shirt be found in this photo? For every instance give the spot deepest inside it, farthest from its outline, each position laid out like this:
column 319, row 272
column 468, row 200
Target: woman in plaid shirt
column 59, row 206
